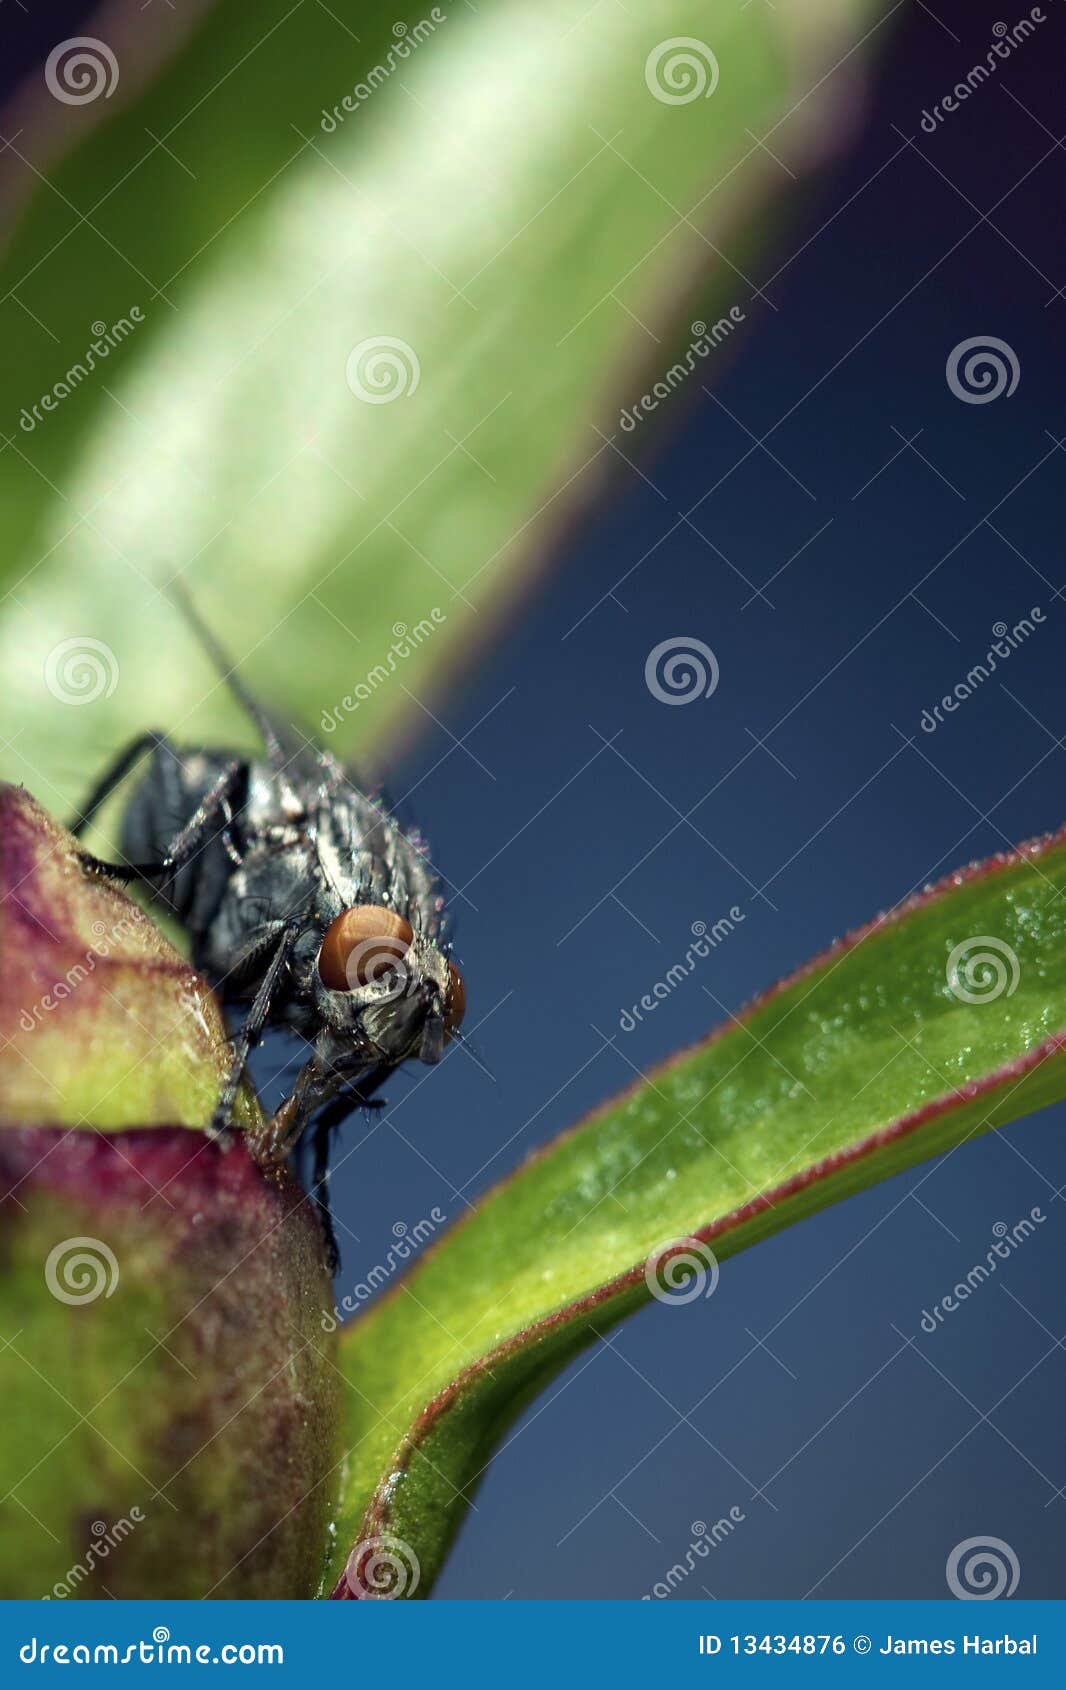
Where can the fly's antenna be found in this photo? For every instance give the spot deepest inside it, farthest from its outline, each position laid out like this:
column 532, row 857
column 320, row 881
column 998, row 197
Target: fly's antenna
column 179, row 595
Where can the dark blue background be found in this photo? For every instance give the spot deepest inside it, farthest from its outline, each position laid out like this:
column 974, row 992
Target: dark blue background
column 872, row 1458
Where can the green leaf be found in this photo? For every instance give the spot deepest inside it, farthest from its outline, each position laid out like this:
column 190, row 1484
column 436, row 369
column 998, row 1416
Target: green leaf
column 934, row 1023
column 511, row 202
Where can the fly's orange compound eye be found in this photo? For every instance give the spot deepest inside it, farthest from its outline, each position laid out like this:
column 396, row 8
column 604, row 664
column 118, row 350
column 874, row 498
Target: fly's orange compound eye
column 363, row 944
column 456, row 999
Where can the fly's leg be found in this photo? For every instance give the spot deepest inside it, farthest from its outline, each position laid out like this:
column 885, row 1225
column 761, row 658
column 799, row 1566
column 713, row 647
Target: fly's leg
column 193, row 836
column 254, row 1022
column 188, row 840
column 326, row 1124
column 113, row 775
column 285, row 1129
column 305, row 1106
column 320, row 1194
column 357, row 1096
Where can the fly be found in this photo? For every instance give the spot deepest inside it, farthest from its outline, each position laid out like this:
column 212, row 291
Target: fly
column 306, row 905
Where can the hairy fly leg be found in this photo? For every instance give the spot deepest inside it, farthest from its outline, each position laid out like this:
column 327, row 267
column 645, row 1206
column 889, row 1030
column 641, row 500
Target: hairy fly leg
column 321, row 1132
column 253, row 1025
column 190, row 838
column 114, row 775
column 320, row 1193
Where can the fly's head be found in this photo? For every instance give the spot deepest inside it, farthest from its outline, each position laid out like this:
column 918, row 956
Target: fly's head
column 385, row 989
column 373, row 966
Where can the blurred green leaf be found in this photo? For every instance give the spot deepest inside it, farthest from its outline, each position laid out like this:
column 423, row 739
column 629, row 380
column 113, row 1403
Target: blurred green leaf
column 938, row 1021
column 510, row 212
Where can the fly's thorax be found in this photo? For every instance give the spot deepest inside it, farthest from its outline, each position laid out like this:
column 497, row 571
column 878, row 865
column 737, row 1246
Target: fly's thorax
column 275, row 801
column 365, row 857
